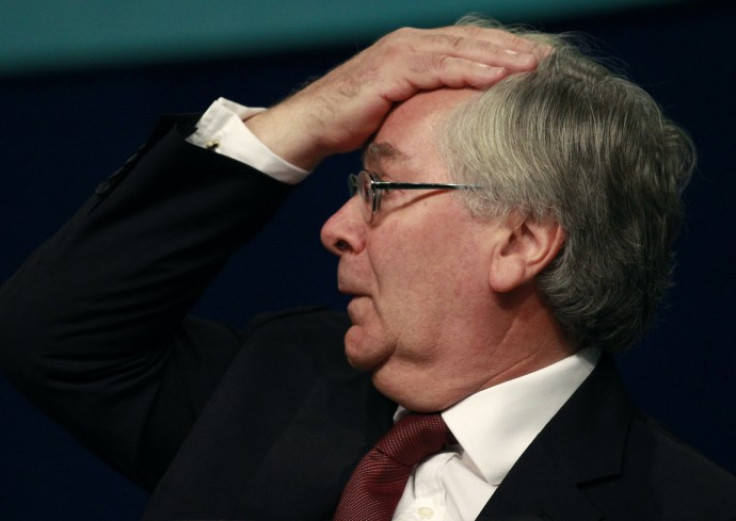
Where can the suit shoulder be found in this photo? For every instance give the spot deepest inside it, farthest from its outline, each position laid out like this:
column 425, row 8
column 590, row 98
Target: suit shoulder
column 682, row 477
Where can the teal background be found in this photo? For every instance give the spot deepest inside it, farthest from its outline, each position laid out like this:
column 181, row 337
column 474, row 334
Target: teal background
column 53, row 35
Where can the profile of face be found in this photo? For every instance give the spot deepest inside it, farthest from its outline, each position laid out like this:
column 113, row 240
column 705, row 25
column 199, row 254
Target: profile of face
column 418, row 271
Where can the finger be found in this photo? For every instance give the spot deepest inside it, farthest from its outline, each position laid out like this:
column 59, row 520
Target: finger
column 432, row 71
column 456, row 73
column 498, row 50
column 498, row 37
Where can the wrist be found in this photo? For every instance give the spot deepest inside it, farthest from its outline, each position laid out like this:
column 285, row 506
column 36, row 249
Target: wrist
column 287, row 137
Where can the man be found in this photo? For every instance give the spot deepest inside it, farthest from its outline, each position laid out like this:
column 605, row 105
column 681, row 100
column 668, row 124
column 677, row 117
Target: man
column 487, row 296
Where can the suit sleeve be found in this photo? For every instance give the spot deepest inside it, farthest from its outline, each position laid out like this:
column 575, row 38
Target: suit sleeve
column 94, row 327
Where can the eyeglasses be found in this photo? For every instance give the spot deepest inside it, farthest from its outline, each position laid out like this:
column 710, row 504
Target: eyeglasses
column 370, row 187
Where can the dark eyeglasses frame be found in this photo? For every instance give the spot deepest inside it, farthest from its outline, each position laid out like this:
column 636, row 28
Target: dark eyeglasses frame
column 370, row 187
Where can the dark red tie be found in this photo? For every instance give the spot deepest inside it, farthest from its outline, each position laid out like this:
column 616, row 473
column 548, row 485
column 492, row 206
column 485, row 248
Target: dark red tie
column 378, row 481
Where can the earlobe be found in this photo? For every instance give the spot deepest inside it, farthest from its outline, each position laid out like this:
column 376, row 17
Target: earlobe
column 506, row 274
column 523, row 251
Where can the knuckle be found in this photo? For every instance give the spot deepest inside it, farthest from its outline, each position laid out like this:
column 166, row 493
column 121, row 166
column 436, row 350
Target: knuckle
column 400, row 34
column 407, row 31
column 439, row 62
column 392, row 52
column 456, row 43
column 394, row 44
column 450, row 42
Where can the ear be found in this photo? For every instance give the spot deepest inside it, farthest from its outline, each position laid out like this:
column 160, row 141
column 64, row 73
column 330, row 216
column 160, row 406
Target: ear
column 524, row 248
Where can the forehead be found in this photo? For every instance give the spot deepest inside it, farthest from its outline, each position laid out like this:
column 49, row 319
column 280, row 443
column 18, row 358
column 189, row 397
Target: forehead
column 410, row 131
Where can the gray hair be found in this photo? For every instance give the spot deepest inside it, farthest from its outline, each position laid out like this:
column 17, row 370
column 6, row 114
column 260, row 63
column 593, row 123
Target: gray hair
column 575, row 143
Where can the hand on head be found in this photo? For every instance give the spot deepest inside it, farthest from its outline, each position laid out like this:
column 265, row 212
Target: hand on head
column 341, row 110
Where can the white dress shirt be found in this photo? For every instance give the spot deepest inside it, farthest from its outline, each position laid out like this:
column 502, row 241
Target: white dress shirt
column 493, row 427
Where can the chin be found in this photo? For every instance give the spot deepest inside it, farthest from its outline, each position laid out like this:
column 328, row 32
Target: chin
column 362, row 352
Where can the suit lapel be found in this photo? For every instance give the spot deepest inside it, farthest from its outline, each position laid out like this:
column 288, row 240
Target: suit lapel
column 582, row 445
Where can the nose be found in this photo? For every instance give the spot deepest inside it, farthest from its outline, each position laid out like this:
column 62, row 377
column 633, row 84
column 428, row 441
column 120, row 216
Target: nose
column 344, row 231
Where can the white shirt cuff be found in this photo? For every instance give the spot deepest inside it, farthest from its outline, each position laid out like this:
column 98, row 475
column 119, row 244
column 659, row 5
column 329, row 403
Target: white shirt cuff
column 221, row 129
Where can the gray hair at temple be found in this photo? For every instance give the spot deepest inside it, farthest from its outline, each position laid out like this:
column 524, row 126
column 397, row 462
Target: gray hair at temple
column 578, row 144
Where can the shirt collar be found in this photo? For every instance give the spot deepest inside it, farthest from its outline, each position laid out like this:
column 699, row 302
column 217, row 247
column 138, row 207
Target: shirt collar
column 496, row 425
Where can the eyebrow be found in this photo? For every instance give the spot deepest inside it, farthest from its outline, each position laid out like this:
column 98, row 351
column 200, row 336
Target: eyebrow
column 378, row 152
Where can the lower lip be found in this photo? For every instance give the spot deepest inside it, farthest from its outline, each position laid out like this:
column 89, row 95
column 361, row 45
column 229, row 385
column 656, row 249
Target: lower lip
column 354, row 302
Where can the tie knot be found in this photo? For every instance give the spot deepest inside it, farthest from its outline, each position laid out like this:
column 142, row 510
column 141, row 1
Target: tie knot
column 415, row 437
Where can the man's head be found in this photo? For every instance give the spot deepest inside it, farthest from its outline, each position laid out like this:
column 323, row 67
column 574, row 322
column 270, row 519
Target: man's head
column 427, row 320
column 577, row 203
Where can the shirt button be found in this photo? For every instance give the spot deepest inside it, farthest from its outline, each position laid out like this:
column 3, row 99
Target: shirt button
column 425, row 513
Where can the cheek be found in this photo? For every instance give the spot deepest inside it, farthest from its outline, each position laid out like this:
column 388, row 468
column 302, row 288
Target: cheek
column 426, row 264
column 401, row 256
column 425, row 275
column 409, row 295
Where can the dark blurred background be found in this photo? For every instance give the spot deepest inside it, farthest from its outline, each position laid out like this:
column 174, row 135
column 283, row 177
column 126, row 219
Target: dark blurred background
column 82, row 85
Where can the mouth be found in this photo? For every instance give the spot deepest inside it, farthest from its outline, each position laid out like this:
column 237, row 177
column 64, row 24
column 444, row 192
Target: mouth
column 353, row 308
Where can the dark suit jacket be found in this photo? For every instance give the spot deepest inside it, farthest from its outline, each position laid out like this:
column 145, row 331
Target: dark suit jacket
column 268, row 423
